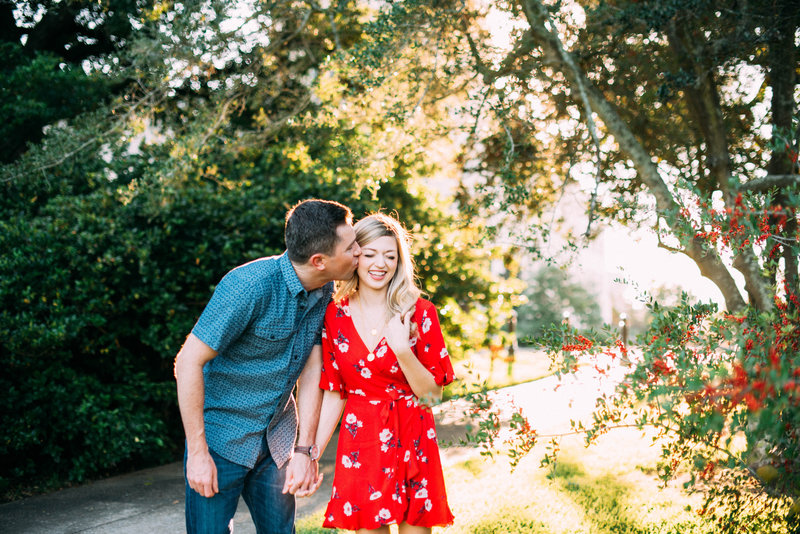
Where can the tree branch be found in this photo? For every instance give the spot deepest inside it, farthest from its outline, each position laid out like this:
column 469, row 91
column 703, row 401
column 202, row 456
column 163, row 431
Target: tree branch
column 764, row 184
column 578, row 77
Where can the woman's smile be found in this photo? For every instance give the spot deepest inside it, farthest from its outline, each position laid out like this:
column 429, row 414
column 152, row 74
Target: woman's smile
column 378, row 262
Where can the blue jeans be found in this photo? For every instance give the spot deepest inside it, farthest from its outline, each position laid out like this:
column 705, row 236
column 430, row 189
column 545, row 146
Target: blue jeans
column 271, row 510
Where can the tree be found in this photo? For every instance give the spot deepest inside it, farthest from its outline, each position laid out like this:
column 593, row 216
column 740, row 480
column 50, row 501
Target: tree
column 53, row 58
column 683, row 116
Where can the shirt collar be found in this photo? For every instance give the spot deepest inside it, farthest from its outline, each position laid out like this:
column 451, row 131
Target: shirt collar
column 293, row 283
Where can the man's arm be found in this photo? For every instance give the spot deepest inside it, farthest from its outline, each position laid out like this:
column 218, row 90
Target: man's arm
column 201, row 472
column 302, row 475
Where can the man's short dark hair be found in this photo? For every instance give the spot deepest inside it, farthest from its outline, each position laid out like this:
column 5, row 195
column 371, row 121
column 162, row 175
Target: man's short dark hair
column 311, row 228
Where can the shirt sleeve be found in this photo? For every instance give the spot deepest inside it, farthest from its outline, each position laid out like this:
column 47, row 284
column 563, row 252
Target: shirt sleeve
column 431, row 350
column 227, row 314
column 331, row 378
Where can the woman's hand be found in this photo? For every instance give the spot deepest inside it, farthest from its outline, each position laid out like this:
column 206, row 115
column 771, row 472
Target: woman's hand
column 399, row 331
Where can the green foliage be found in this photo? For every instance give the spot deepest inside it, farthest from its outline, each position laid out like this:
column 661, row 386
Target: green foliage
column 37, row 91
column 721, row 391
column 55, row 63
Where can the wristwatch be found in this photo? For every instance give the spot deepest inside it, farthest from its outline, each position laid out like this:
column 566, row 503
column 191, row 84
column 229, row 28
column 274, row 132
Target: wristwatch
column 312, row 451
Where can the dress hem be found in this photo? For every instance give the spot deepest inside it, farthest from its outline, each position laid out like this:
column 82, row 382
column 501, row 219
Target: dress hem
column 378, row 525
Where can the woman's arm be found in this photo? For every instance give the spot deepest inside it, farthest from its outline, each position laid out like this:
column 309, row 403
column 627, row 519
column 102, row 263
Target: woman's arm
column 421, row 380
column 329, row 414
column 302, row 475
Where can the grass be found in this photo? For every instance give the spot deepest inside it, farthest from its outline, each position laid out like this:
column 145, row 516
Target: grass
column 607, row 488
column 602, row 489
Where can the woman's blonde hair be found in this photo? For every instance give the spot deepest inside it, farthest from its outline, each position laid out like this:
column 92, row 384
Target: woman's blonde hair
column 402, row 293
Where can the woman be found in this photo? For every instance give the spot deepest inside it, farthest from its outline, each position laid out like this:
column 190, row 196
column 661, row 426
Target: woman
column 384, row 362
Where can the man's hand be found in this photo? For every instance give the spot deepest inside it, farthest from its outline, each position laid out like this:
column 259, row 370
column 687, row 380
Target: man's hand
column 201, row 474
column 302, row 478
column 313, row 480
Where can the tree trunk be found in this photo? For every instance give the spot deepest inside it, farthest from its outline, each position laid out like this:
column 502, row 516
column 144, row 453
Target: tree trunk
column 702, row 98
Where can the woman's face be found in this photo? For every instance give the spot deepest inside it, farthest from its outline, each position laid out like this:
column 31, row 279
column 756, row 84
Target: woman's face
column 378, row 262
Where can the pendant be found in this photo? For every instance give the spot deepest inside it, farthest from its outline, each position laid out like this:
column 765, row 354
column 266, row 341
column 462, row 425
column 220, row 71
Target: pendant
column 374, row 332
column 370, row 357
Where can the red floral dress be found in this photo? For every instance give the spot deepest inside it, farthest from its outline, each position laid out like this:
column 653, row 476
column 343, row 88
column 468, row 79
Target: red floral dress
column 387, row 462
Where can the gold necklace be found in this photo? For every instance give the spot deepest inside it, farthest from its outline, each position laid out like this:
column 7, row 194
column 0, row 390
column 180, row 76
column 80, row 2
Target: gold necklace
column 373, row 332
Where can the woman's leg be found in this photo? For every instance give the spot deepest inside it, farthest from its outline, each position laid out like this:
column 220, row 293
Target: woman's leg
column 405, row 528
column 379, row 530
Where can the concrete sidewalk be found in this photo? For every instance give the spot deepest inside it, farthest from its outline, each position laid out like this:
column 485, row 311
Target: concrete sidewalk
column 152, row 500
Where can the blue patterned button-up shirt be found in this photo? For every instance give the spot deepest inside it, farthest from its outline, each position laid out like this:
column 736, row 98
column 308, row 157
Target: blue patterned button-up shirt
column 263, row 324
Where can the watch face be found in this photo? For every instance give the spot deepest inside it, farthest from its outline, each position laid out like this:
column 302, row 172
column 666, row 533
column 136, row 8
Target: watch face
column 313, row 451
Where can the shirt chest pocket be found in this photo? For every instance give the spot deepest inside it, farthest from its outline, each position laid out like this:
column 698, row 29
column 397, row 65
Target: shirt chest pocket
column 271, row 339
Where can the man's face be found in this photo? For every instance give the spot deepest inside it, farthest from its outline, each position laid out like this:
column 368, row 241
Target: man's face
column 344, row 260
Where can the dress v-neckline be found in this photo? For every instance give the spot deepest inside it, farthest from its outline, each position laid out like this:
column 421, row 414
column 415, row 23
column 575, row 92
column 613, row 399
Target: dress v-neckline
column 358, row 334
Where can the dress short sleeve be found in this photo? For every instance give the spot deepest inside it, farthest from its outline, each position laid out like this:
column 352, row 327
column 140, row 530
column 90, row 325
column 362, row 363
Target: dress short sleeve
column 331, row 378
column 430, row 347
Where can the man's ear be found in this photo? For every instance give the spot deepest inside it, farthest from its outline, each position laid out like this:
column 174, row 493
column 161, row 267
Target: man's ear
column 317, row 261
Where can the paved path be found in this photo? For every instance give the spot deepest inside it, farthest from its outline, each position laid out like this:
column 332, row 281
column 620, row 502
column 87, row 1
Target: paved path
column 151, row 500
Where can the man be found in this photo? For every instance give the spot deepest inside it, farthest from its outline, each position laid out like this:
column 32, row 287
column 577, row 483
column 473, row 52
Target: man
column 258, row 336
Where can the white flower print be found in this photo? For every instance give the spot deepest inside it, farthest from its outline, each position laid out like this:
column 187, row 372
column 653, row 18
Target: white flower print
column 374, row 496
column 394, row 369
column 431, row 433
column 428, row 505
column 407, row 457
column 421, row 494
column 346, row 310
column 343, row 347
column 334, row 365
column 359, row 392
column 385, row 435
column 324, row 334
column 347, row 462
column 348, row 509
column 352, row 424
column 412, row 342
column 423, row 482
column 380, row 352
column 426, row 323
column 384, row 514
column 366, row 373
column 444, row 353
